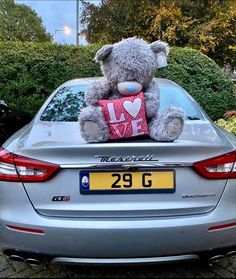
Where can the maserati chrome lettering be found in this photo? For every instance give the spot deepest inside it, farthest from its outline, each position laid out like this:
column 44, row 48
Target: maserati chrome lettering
column 106, row 158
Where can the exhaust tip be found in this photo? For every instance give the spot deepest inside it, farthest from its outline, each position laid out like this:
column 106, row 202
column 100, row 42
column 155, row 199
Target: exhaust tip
column 216, row 259
column 9, row 252
column 33, row 262
column 231, row 254
column 16, row 258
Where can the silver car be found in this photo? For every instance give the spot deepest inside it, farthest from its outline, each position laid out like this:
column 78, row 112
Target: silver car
column 126, row 201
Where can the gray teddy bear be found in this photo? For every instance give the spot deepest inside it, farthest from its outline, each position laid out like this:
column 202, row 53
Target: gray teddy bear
column 133, row 62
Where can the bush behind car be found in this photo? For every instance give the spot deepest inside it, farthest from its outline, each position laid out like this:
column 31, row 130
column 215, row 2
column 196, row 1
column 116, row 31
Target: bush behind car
column 29, row 72
column 228, row 122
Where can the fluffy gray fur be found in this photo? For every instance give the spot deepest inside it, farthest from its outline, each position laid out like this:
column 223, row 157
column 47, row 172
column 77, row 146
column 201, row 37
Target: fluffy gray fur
column 131, row 59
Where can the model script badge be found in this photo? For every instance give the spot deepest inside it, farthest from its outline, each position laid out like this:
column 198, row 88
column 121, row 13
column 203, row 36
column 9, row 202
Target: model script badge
column 146, row 158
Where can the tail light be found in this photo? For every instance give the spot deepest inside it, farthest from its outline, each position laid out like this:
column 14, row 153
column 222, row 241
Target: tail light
column 18, row 168
column 221, row 167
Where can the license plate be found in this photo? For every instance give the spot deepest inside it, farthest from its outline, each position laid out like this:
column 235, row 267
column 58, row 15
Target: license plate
column 100, row 182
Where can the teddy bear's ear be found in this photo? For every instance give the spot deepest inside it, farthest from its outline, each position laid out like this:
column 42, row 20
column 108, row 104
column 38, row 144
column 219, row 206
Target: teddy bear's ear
column 160, row 46
column 103, row 52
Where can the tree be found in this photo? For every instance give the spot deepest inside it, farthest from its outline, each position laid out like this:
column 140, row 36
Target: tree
column 114, row 19
column 20, row 23
column 168, row 23
column 206, row 25
column 216, row 37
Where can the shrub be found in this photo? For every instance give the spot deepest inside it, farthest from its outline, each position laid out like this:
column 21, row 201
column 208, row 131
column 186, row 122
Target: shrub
column 29, row 72
column 203, row 79
column 228, row 124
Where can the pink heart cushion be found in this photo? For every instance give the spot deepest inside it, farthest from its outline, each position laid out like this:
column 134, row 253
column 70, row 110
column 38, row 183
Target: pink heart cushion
column 125, row 117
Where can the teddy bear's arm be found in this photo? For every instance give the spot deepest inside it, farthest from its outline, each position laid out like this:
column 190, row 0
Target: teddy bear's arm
column 152, row 99
column 97, row 91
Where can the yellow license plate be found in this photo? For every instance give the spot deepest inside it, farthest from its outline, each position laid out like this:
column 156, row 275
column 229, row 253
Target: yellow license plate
column 95, row 182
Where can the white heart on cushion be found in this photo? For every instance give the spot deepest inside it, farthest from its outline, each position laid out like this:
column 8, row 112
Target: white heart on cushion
column 133, row 108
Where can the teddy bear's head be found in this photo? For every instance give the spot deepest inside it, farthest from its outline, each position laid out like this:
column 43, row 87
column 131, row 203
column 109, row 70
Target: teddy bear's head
column 131, row 60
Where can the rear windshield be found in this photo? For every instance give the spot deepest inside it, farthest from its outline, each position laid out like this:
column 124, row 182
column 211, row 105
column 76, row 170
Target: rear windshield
column 65, row 105
column 174, row 96
column 69, row 100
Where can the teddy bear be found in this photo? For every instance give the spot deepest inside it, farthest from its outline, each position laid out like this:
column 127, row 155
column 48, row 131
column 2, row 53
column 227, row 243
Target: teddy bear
column 128, row 68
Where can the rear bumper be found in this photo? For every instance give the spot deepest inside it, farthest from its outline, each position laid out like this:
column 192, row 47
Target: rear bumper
column 114, row 239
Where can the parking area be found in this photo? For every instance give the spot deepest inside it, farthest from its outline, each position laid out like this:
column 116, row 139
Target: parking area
column 223, row 269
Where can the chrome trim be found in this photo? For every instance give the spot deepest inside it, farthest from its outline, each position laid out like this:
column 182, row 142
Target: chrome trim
column 62, row 260
column 124, row 166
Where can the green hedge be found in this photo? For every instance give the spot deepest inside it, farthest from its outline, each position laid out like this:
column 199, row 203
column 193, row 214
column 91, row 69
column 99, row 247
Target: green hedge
column 29, row 72
column 203, row 79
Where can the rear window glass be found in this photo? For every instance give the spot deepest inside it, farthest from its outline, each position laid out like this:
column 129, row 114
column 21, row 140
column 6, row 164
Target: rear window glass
column 65, row 105
column 69, row 100
column 174, row 96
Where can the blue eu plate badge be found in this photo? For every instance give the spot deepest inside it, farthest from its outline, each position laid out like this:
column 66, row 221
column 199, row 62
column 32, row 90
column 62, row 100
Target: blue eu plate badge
column 84, row 181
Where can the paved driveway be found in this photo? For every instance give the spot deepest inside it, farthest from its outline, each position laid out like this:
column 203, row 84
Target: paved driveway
column 224, row 269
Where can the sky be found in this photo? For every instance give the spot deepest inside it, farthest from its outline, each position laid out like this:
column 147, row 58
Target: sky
column 56, row 14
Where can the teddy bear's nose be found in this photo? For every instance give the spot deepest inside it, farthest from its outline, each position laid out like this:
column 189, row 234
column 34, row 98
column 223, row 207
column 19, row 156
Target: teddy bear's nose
column 128, row 88
column 131, row 88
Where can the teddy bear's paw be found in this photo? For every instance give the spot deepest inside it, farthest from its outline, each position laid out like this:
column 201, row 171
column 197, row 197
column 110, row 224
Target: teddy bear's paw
column 173, row 129
column 92, row 124
column 92, row 131
column 168, row 126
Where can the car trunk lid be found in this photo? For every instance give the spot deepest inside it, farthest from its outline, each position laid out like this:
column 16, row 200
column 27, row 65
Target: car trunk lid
column 61, row 196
